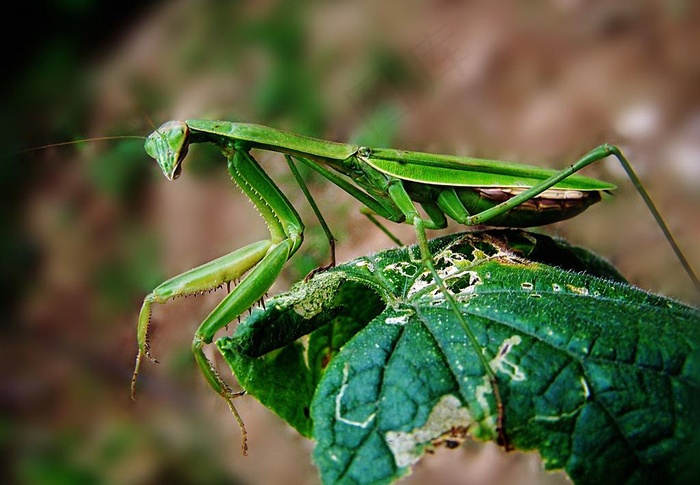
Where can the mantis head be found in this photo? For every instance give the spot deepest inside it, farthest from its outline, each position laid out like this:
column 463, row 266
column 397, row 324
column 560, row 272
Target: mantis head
column 168, row 145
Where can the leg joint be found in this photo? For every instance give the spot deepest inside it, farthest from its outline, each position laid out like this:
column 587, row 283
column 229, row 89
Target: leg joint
column 198, row 342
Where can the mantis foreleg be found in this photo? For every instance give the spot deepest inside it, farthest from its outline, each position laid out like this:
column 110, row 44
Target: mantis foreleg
column 259, row 264
column 205, row 277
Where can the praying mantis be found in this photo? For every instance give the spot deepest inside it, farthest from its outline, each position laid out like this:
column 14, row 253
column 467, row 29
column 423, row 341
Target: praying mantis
column 392, row 184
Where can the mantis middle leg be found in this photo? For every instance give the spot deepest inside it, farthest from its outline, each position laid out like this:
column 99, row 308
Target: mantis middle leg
column 437, row 220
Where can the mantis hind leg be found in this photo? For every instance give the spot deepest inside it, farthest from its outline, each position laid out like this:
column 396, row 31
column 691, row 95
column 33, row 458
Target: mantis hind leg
column 593, row 156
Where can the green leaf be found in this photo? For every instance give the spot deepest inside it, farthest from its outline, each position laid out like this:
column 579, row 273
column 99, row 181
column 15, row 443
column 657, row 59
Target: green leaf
column 282, row 379
column 603, row 379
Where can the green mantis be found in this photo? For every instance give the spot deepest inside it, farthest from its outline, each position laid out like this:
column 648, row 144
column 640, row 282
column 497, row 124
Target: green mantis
column 392, row 184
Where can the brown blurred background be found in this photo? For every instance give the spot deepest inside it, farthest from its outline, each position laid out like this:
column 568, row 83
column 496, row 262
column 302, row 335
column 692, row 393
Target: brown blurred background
column 88, row 230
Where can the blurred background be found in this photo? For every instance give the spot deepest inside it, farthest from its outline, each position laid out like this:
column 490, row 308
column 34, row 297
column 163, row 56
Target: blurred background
column 87, row 230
